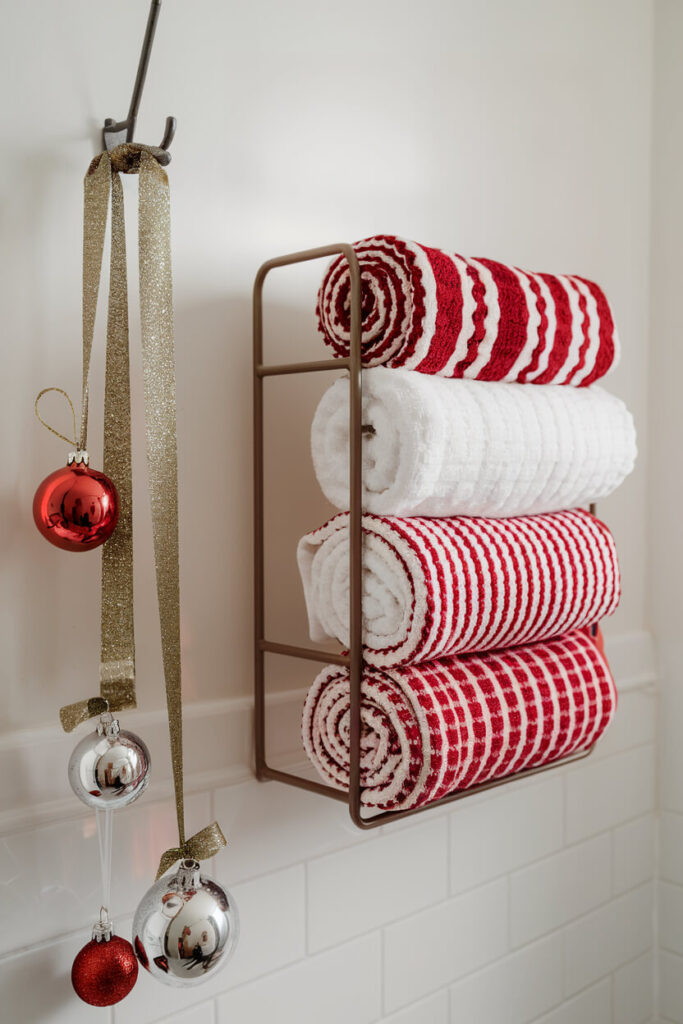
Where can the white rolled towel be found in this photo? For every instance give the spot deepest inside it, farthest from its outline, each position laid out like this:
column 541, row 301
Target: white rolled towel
column 439, row 447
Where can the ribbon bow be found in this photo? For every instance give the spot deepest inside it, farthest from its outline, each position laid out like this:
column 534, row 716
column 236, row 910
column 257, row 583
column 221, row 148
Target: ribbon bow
column 202, row 845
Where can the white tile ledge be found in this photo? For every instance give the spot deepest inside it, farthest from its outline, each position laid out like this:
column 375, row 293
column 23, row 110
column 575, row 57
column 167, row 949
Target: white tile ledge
column 39, row 755
column 632, row 660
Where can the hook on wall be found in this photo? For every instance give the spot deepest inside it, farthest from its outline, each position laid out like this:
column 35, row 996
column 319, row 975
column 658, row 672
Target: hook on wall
column 116, row 132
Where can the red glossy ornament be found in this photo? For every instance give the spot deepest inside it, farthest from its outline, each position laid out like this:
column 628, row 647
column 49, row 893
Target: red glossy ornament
column 104, row 972
column 76, row 508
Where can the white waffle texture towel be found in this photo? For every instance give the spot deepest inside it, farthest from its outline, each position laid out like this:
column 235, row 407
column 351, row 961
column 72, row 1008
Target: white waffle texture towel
column 440, row 447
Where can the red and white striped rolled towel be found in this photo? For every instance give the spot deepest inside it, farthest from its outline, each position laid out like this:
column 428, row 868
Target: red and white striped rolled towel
column 440, row 313
column 444, row 725
column 435, row 587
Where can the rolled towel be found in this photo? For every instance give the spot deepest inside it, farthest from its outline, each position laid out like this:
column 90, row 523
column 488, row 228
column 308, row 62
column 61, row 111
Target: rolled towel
column 444, row 725
column 440, row 313
column 434, row 447
column 436, row 587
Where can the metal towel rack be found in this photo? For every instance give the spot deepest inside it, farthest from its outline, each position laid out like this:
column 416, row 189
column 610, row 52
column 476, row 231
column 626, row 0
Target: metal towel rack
column 354, row 659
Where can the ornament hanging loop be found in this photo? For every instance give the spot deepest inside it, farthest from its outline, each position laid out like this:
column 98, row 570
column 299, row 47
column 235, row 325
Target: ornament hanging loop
column 103, row 929
column 69, row 440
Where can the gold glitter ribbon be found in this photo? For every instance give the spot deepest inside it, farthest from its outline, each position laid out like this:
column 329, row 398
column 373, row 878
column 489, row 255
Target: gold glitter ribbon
column 117, row 671
column 158, row 365
column 200, row 846
column 102, row 184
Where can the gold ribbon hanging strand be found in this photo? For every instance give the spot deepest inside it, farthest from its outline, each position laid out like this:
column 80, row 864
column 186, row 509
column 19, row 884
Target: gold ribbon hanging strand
column 117, row 654
column 96, row 188
column 158, row 362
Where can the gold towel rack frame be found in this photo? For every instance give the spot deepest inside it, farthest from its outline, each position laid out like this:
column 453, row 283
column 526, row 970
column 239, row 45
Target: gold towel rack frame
column 354, row 659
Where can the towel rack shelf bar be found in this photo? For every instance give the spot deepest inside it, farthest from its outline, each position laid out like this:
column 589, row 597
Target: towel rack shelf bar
column 354, row 659
column 381, row 817
column 285, row 368
column 302, row 783
column 305, row 653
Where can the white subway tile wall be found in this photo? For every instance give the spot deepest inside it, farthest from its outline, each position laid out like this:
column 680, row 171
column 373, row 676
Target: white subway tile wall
column 532, row 904
column 634, row 990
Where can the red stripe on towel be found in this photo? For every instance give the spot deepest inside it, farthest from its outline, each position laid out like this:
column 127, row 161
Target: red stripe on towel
column 448, row 311
column 607, row 348
column 563, row 330
column 514, row 317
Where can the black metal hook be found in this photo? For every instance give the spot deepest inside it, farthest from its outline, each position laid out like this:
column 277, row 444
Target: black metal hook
column 114, row 130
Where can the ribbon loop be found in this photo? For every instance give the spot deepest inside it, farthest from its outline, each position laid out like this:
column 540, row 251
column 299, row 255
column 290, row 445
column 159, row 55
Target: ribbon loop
column 126, row 158
column 202, row 845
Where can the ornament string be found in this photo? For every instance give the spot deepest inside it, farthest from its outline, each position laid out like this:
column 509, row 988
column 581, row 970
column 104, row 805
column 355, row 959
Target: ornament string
column 69, row 440
column 105, row 825
column 117, row 678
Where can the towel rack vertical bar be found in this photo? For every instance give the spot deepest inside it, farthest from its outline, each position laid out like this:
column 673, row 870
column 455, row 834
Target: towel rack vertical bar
column 355, row 542
column 261, row 645
column 259, row 583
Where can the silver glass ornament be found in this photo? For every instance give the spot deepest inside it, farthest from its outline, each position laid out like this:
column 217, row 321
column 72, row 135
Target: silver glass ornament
column 109, row 768
column 186, row 927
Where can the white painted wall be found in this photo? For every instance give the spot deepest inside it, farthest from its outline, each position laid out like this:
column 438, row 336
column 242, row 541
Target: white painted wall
column 519, row 131
column 666, row 546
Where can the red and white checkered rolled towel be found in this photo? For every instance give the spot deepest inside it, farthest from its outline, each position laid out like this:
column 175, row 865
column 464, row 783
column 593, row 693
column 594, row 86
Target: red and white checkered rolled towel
column 440, row 313
column 444, row 725
column 435, row 587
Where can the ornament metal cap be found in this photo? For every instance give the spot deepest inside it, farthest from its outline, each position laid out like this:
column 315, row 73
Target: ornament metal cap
column 187, row 875
column 108, row 726
column 80, row 457
column 103, row 929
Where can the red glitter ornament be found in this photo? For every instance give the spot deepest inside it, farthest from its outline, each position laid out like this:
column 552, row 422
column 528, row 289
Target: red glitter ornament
column 104, row 971
column 76, row 508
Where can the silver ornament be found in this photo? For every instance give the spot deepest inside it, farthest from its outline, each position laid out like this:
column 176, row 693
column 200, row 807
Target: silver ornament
column 109, row 768
column 185, row 927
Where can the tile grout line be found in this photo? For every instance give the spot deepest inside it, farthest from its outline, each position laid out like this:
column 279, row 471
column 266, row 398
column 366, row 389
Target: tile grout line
column 307, row 942
column 382, row 973
column 603, row 977
column 657, row 945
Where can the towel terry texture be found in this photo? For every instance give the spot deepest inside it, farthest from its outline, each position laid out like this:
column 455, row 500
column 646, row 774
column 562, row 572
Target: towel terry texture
column 435, row 587
column 439, row 313
column 435, row 447
column 443, row 725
